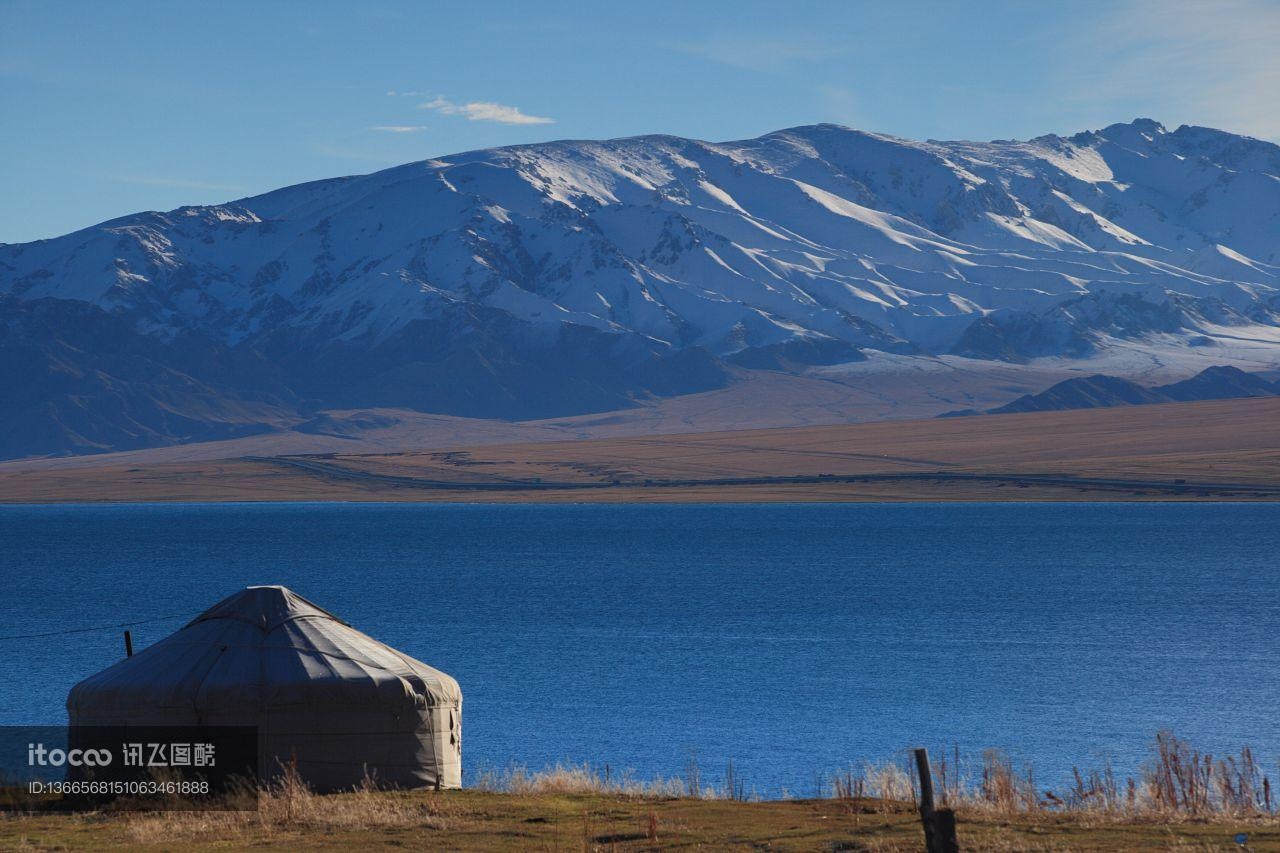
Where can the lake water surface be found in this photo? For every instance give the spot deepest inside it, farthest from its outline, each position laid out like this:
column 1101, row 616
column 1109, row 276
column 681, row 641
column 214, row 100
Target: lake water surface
column 791, row 639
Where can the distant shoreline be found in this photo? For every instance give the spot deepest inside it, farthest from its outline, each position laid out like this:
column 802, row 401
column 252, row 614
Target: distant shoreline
column 1222, row 450
column 926, row 492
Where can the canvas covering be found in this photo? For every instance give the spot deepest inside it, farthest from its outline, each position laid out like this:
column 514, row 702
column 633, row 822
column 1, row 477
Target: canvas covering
column 325, row 697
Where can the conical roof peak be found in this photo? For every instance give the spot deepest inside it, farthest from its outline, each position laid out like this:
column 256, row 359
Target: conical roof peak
column 265, row 607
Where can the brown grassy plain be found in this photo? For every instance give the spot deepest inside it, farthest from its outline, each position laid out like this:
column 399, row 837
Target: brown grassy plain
column 1217, row 442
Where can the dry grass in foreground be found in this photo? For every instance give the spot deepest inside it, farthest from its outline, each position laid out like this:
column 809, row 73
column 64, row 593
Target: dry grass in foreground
column 481, row 821
column 1185, row 800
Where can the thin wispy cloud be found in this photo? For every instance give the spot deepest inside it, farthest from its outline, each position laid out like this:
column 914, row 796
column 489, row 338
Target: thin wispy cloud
column 758, row 54
column 1206, row 63
column 398, row 128
column 483, row 111
column 174, row 183
column 343, row 152
column 839, row 104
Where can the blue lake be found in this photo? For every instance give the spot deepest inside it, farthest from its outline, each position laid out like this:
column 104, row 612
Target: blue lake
column 792, row 639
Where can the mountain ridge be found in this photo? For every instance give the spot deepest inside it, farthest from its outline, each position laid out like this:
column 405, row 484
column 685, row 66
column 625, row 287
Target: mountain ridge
column 575, row 276
column 1100, row 391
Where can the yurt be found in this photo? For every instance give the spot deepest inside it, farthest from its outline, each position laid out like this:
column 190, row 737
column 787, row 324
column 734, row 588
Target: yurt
column 335, row 703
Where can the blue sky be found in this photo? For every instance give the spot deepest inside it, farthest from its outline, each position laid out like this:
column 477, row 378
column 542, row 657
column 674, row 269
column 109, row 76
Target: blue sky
column 110, row 108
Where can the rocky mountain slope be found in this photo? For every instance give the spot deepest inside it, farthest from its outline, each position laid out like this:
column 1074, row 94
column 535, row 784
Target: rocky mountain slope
column 568, row 277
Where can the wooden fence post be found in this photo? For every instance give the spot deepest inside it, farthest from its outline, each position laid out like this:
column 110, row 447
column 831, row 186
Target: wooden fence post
column 939, row 824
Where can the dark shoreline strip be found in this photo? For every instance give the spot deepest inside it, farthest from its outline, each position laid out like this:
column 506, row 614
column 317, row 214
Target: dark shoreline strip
column 324, row 469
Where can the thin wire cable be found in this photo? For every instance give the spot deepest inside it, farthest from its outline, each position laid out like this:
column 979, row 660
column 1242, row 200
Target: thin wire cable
column 89, row 630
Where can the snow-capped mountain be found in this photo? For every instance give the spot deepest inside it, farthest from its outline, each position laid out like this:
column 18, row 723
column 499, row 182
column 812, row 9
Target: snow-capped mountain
column 576, row 276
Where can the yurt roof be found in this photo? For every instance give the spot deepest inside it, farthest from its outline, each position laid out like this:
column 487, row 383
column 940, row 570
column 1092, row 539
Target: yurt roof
column 264, row 647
